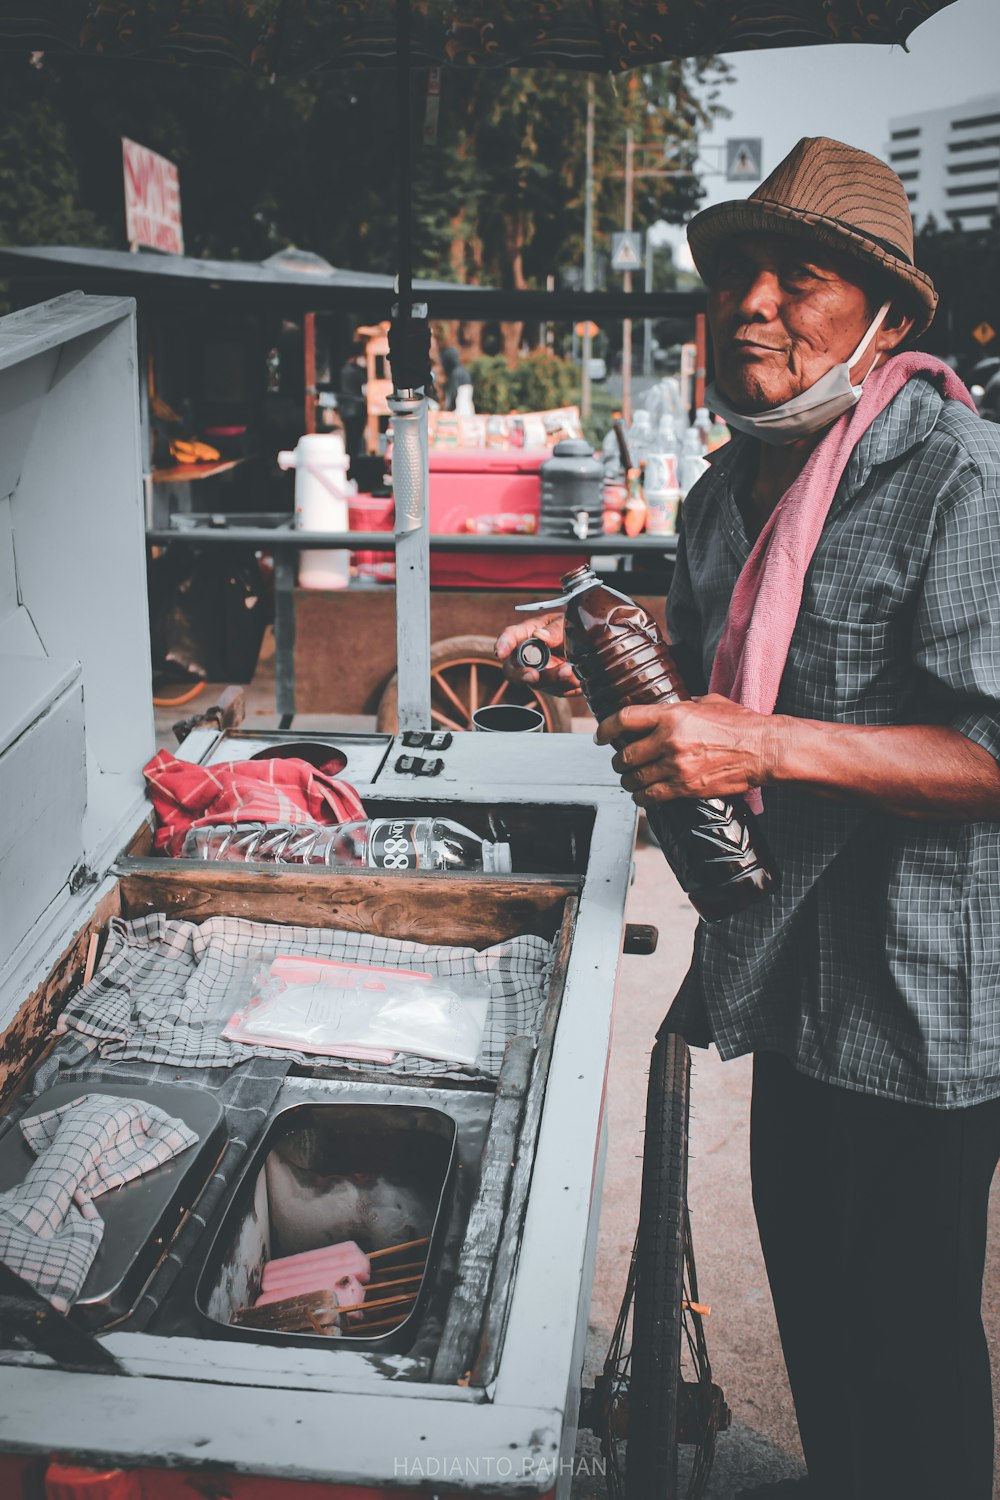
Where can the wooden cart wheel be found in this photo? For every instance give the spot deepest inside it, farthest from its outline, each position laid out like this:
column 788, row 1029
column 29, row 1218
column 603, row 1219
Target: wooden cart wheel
column 465, row 675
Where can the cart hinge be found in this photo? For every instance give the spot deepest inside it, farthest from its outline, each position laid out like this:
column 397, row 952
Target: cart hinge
column 81, row 876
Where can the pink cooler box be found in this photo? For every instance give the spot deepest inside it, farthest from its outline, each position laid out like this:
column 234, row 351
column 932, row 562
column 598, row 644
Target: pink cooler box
column 470, row 482
column 372, row 513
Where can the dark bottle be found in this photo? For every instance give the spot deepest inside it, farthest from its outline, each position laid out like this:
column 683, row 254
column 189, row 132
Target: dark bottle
column 713, row 844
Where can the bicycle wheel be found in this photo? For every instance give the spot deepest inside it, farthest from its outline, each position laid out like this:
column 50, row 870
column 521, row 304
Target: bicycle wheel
column 656, row 1393
column 655, row 1385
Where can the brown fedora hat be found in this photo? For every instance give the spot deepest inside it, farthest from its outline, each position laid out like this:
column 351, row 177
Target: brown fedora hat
column 833, row 195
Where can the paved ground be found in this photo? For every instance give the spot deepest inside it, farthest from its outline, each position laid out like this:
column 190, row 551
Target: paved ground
column 743, row 1344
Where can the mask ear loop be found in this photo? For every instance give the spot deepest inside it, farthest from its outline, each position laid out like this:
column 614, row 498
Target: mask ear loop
column 873, row 328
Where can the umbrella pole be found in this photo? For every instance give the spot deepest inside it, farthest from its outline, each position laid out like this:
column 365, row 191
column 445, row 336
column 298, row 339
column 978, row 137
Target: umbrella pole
column 410, row 367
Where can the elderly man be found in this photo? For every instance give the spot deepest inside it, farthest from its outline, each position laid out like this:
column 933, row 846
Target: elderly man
column 836, row 603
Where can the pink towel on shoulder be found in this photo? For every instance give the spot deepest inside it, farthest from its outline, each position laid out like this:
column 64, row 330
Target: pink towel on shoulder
column 754, row 645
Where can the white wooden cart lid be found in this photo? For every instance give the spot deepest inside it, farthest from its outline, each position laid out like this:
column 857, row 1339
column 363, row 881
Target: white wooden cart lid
column 73, row 614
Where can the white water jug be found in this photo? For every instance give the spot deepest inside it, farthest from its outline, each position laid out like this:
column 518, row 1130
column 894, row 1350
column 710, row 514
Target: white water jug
column 322, row 490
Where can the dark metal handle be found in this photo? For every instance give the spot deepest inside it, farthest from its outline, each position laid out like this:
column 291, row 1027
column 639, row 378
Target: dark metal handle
column 641, row 939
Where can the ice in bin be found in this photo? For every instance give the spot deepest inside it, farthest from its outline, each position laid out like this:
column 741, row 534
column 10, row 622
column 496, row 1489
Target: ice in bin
column 326, row 1173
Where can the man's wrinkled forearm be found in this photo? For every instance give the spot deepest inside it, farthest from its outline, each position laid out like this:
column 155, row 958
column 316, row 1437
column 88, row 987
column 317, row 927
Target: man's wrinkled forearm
column 916, row 771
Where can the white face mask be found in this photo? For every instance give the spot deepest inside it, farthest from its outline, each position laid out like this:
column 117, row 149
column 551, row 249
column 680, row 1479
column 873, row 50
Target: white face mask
column 810, row 411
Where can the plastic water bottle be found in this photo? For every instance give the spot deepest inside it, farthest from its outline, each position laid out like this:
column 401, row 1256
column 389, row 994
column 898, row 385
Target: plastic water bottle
column 667, row 439
column 712, row 844
column 640, row 437
column 322, row 493
column 662, row 491
column 371, row 844
column 693, row 462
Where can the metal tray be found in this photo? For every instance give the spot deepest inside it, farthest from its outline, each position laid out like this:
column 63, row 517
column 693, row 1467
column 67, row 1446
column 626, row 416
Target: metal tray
column 142, row 1217
column 323, row 1173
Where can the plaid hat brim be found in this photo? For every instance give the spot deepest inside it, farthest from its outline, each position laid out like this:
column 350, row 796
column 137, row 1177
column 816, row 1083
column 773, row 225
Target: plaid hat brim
column 711, row 228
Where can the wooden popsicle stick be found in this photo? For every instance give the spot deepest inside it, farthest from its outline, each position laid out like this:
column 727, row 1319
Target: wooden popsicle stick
column 364, row 1328
column 399, row 1281
column 409, row 1265
column 395, row 1249
column 379, row 1302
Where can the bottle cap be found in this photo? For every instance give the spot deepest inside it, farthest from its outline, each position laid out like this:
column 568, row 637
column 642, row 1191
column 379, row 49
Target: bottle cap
column 533, row 653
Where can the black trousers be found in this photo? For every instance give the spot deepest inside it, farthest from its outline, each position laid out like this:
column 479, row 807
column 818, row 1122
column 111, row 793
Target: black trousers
column 872, row 1219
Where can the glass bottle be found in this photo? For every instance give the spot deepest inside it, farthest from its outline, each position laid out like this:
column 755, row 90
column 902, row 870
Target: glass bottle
column 713, row 844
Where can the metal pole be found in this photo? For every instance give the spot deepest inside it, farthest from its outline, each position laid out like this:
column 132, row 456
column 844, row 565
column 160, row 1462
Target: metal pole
column 410, row 465
column 647, row 329
column 588, row 242
column 627, row 282
column 410, row 485
column 309, row 354
column 405, row 173
column 700, row 358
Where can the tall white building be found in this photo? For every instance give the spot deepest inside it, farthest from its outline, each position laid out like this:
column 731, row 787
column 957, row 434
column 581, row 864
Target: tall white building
column 949, row 160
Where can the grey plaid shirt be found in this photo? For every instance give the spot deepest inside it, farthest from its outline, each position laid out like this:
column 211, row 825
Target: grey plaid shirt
column 876, row 966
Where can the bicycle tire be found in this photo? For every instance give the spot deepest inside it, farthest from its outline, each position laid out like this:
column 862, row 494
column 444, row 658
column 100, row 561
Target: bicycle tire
column 655, row 1389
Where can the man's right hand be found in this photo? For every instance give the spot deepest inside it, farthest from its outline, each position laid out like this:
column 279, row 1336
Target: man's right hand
column 558, row 677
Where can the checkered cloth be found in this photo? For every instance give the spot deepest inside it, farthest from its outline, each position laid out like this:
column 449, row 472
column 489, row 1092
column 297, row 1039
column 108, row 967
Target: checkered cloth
column 246, row 1093
column 50, row 1228
column 166, row 988
column 252, row 791
column 876, row 966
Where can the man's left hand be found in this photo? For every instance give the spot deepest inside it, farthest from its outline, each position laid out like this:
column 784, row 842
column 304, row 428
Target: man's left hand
column 705, row 747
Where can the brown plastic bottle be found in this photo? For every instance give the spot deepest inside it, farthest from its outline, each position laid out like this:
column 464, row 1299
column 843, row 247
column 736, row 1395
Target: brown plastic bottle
column 713, row 845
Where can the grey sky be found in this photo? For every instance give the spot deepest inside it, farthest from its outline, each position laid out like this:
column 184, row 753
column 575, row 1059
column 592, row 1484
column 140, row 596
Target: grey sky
column 851, row 92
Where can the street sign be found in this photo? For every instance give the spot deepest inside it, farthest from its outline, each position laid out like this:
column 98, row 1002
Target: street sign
column 743, row 159
column 626, row 251
column 984, row 333
column 152, row 200
column 583, row 329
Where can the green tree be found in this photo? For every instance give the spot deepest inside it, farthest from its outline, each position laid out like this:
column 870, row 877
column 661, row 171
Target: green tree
column 312, row 162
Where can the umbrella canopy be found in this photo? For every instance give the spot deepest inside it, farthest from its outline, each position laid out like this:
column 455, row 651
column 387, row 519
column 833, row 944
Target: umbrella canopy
column 308, row 36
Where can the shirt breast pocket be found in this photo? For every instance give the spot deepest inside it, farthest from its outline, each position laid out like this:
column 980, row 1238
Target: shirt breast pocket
column 848, row 670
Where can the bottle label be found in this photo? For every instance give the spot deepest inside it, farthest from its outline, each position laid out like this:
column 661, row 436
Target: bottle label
column 391, row 845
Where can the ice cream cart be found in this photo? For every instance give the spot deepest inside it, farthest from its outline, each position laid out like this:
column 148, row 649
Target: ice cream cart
column 150, row 1386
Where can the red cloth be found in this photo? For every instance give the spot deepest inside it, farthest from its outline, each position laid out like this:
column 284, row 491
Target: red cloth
column 753, row 649
column 243, row 791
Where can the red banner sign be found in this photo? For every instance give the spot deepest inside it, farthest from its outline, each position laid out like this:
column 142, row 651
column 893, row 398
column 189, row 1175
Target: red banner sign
column 152, row 200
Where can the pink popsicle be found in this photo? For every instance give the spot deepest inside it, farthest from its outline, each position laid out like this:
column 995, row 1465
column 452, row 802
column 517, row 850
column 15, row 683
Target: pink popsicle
column 332, row 1261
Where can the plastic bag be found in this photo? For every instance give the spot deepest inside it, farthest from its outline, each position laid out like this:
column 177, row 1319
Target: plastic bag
column 333, row 1009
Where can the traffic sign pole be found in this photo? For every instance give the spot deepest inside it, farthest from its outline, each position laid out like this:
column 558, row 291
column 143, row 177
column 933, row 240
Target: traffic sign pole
column 588, row 244
column 627, row 282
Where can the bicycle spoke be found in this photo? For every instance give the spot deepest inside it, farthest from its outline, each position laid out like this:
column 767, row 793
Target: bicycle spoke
column 452, row 696
column 442, row 721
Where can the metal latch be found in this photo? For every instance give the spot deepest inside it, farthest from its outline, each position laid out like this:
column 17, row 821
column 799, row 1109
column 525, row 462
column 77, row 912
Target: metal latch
column 427, row 739
column 415, row 765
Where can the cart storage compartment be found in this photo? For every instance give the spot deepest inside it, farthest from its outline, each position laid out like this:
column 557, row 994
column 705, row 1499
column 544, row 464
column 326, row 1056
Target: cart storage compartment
column 374, row 1174
column 76, row 718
